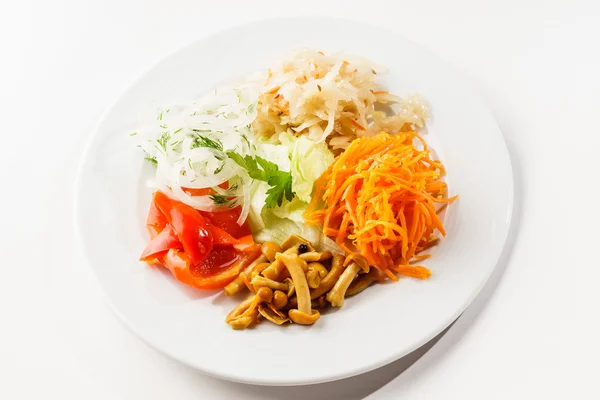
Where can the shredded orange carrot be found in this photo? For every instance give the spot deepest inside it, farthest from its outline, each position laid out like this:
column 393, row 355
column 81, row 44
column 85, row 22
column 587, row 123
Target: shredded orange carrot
column 378, row 199
column 420, row 258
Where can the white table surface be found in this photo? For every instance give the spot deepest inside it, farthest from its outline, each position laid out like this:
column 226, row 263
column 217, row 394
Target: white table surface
column 532, row 333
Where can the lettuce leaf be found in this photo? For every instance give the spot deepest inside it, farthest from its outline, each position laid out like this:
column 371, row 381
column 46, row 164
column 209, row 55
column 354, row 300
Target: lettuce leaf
column 308, row 160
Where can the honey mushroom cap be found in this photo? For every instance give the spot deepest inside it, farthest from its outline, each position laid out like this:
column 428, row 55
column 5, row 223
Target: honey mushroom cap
column 302, row 318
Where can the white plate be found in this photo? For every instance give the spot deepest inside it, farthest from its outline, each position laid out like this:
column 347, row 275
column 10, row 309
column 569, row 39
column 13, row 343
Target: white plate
column 372, row 329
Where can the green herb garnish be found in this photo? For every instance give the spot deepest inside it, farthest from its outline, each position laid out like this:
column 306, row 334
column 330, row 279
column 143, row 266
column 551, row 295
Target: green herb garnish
column 219, row 198
column 263, row 170
column 203, row 141
column 152, row 160
column 219, row 169
column 164, row 140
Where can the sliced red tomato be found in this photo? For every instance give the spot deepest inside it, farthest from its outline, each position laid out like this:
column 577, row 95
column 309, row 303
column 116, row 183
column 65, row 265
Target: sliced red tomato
column 189, row 225
column 220, row 269
column 220, row 237
column 204, row 250
column 161, row 243
column 227, row 220
column 245, row 243
column 156, row 221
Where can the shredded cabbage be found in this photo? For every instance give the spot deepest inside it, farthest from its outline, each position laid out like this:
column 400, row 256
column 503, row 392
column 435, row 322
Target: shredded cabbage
column 332, row 98
column 306, row 160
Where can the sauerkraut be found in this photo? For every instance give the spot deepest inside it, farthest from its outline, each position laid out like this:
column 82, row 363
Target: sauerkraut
column 331, row 98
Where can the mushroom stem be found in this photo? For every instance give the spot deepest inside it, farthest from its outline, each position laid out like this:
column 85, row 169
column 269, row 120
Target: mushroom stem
column 238, row 283
column 261, row 281
column 244, row 314
column 362, row 282
column 244, row 321
column 273, row 270
column 336, row 295
column 320, row 303
column 258, row 269
column 316, row 256
column 289, row 245
column 316, row 272
column 337, row 267
column 293, row 263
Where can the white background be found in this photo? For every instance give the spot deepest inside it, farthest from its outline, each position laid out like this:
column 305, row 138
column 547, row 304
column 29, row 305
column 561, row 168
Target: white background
column 532, row 333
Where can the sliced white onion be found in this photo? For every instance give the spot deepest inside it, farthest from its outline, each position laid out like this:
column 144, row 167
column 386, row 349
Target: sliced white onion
column 245, row 205
column 202, row 203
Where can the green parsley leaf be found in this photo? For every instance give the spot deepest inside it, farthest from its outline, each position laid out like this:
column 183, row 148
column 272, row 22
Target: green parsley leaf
column 244, row 162
column 269, row 167
column 280, row 181
column 281, row 186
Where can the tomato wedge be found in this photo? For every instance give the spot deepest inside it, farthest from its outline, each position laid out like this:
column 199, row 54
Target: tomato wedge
column 227, row 220
column 220, row 237
column 245, row 243
column 156, row 221
column 159, row 246
column 189, row 225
